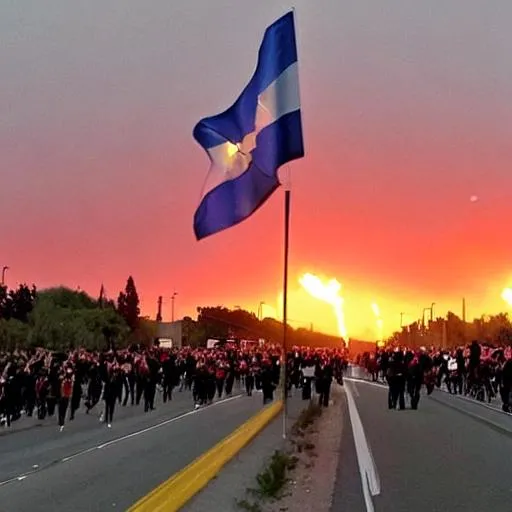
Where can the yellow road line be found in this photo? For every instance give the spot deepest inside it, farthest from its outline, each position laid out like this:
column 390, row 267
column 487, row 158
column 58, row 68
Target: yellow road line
column 172, row 494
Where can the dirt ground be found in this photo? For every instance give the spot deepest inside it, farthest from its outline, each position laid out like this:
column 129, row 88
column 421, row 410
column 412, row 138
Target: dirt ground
column 311, row 484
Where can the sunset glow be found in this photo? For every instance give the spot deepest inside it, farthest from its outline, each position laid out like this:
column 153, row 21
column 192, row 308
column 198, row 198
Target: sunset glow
column 330, row 293
column 507, row 296
column 401, row 194
column 379, row 322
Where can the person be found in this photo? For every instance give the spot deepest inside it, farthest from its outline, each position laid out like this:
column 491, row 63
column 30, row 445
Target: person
column 414, row 378
column 249, row 380
column 110, row 391
column 66, row 392
column 308, row 374
column 506, row 386
column 42, row 387
column 325, row 381
column 267, row 382
column 396, row 381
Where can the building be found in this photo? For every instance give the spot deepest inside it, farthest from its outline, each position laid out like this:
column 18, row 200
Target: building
column 171, row 331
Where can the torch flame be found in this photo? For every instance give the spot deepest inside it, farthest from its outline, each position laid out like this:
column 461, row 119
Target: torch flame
column 380, row 324
column 506, row 295
column 329, row 293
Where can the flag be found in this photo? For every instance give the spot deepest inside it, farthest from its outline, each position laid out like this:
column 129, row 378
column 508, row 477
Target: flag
column 259, row 133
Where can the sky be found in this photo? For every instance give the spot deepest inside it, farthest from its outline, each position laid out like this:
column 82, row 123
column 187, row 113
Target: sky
column 406, row 112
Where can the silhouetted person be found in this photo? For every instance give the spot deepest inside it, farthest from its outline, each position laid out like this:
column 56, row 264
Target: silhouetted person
column 396, row 381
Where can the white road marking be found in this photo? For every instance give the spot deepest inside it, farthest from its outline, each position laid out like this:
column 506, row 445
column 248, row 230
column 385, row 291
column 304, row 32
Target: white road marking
column 354, row 389
column 362, row 381
column 122, row 438
column 5, row 482
column 83, row 452
column 459, row 397
column 370, row 480
column 476, row 402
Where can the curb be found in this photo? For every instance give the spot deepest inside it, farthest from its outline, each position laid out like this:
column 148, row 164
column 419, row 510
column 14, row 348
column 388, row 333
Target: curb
column 172, row 494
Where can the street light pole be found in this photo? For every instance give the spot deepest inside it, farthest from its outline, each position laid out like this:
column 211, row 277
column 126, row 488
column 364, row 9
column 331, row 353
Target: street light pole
column 4, row 269
column 423, row 319
column 173, row 296
column 260, row 310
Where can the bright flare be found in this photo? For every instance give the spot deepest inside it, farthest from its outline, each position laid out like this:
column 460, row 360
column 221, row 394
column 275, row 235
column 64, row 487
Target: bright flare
column 506, row 295
column 380, row 323
column 329, row 293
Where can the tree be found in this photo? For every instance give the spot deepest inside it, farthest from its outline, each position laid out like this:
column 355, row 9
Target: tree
column 18, row 303
column 101, row 298
column 214, row 320
column 145, row 332
column 62, row 297
column 128, row 304
column 13, row 334
column 22, row 302
column 63, row 319
column 3, row 301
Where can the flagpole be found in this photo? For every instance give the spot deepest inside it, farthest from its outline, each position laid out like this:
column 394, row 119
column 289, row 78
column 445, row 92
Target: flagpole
column 287, row 199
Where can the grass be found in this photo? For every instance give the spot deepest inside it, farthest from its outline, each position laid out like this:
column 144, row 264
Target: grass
column 273, row 478
column 306, row 418
column 270, row 481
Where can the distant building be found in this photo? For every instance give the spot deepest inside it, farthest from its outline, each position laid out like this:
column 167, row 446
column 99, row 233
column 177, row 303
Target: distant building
column 171, row 331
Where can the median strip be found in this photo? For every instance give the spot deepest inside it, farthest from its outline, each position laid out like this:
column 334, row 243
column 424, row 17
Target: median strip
column 171, row 495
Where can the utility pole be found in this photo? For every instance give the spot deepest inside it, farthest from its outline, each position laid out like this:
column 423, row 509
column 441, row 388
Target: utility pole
column 464, row 310
column 444, row 342
column 173, row 296
column 423, row 317
column 4, row 270
column 159, row 310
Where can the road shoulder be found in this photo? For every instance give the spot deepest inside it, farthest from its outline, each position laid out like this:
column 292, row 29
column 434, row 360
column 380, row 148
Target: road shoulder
column 313, row 479
column 229, row 488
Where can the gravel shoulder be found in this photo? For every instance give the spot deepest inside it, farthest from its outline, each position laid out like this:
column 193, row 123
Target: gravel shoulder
column 311, row 483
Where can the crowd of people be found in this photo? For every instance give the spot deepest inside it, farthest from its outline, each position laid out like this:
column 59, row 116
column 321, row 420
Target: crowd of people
column 478, row 370
column 42, row 384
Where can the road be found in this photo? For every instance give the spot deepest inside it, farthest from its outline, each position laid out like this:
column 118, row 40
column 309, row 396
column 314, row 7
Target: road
column 91, row 468
column 451, row 455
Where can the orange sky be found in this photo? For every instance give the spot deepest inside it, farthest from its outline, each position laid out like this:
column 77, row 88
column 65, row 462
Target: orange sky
column 406, row 113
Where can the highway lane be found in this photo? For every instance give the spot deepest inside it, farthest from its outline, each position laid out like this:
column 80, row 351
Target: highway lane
column 23, row 449
column 451, row 455
column 113, row 472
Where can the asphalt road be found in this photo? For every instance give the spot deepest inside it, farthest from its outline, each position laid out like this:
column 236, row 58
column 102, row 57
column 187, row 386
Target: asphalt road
column 451, row 455
column 91, row 468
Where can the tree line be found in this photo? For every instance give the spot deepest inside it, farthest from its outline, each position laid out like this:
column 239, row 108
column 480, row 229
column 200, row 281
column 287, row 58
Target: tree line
column 60, row 319
column 452, row 331
column 223, row 323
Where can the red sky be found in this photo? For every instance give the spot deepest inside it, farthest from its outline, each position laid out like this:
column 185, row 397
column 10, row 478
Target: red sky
column 406, row 113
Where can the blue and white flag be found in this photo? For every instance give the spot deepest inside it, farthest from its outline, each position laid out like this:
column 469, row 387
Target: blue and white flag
column 248, row 142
